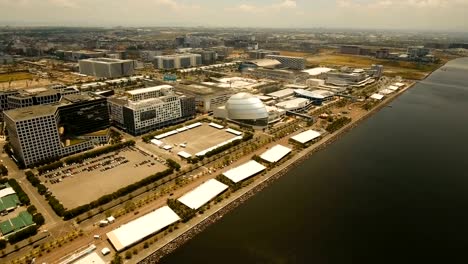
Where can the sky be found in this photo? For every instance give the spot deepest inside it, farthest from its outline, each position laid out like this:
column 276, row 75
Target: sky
column 378, row 14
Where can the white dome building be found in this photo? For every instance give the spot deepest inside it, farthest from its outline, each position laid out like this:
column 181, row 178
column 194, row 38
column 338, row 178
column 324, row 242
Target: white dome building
column 247, row 109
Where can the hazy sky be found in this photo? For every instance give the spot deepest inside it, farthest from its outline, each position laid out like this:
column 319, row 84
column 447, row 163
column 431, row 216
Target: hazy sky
column 398, row 14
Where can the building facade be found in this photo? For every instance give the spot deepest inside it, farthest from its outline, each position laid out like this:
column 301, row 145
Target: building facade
column 177, row 61
column 294, row 63
column 147, row 109
column 106, row 67
column 34, row 134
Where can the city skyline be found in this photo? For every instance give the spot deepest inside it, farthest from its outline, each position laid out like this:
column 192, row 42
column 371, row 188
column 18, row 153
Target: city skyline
column 378, row 14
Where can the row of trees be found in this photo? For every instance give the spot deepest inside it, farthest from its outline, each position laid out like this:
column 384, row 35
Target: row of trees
column 186, row 213
column 92, row 154
column 69, row 214
column 246, row 137
column 173, row 164
column 36, row 182
column 50, row 167
column 338, row 123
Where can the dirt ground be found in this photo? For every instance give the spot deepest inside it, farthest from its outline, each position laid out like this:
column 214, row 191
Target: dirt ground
column 86, row 186
column 197, row 139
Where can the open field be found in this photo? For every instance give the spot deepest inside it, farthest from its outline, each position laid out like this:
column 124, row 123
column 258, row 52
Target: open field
column 405, row 69
column 15, row 76
column 197, row 139
column 95, row 178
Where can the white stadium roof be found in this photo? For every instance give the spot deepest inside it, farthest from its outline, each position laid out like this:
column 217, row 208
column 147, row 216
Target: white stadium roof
column 275, row 154
column 134, row 231
column 203, row 194
column 377, row 96
column 244, row 171
column 306, row 136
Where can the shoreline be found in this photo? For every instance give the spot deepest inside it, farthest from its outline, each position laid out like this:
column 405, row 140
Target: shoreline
column 268, row 179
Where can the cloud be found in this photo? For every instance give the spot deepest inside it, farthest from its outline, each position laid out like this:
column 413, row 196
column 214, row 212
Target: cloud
column 401, row 3
column 175, row 5
column 251, row 8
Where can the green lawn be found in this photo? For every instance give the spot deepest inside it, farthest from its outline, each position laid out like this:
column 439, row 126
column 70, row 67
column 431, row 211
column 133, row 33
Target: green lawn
column 15, row 76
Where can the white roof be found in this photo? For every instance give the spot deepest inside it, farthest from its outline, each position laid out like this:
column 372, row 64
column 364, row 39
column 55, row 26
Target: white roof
column 105, row 251
column 386, row 91
column 182, row 129
column 92, row 258
column 170, row 133
column 134, row 231
column 157, row 142
column 203, row 194
column 377, row 96
column 275, row 154
column 149, row 89
column 167, row 147
column 203, row 152
column 244, row 171
column 393, row 87
column 6, row 192
column 317, row 71
column 194, row 125
column 184, row 154
column 232, row 131
column 399, row 84
column 216, row 126
column 293, row 103
column 111, row 218
column 282, row 93
column 306, row 136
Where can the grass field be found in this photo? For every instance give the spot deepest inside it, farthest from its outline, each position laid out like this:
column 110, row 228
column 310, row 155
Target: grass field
column 405, row 69
column 15, row 76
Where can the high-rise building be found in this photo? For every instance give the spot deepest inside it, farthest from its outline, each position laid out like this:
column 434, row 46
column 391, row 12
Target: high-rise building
column 350, row 49
column 106, row 67
column 43, row 132
column 415, row 52
column 147, row 109
column 294, row 63
column 207, row 56
column 177, row 61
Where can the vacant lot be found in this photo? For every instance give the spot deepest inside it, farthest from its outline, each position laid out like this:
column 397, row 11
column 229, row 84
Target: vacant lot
column 197, row 139
column 89, row 181
column 15, row 76
column 405, row 69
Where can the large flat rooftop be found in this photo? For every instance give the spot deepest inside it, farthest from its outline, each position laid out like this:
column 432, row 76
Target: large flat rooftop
column 149, row 89
column 203, row 194
column 136, row 230
column 244, row 171
column 31, row 112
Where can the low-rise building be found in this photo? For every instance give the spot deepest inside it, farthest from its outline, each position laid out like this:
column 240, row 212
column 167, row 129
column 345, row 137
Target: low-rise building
column 295, row 63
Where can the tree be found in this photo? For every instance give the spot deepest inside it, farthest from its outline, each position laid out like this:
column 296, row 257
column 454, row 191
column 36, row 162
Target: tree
column 128, row 255
column 3, row 170
column 38, row 219
column 117, row 259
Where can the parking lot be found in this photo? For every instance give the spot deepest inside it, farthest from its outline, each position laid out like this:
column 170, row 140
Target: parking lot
column 82, row 183
column 196, row 139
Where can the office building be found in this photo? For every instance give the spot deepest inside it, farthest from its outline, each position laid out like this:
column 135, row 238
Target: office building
column 207, row 56
column 34, row 134
column 107, row 68
column 416, row 52
column 5, row 59
column 83, row 113
column 294, row 63
column 177, row 61
column 382, row 53
column 261, row 54
column 33, row 96
column 79, row 54
column 350, row 49
column 147, row 109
